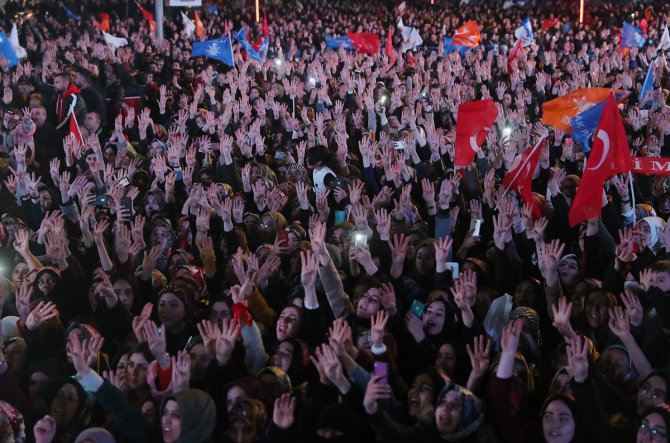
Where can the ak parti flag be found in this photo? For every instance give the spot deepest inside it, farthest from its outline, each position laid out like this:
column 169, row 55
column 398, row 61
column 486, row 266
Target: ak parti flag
column 365, row 43
column 149, row 16
column 558, row 112
column 609, row 156
column 467, row 35
column 199, row 29
column 473, row 122
column 388, row 49
column 103, row 25
column 520, row 177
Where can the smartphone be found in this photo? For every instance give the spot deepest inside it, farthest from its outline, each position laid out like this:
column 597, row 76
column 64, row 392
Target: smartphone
column 453, row 267
column 399, row 145
column 127, row 203
column 360, row 239
column 475, row 227
column 123, row 182
column 282, row 236
column 644, row 113
column 83, row 164
column 417, row 308
column 340, row 216
column 101, row 201
column 382, row 368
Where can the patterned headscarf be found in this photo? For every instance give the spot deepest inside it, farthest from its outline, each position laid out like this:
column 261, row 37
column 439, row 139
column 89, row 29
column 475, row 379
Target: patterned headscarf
column 10, row 416
column 163, row 261
column 472, row 412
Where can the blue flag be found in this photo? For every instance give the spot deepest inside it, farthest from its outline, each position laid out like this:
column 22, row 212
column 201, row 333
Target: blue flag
column 220, row 49
column 631, row 36
column 449, row 48
column 70, row 14
column 647, row 86
column 585, row 123
column 7, row 51
column 241, row 35
column 259, row 55
column 213, row 10
column 340, row 42
column 525, row 33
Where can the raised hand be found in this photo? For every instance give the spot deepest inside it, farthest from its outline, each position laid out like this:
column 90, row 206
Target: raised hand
column 562, row 312
column 619, row 322
column 44, row 311
column 181, row 371
column 377, row 326
column 633, row 306
column 156, row 342
column 479, row 353
column 510, row 336
column 375, row 392
column 283, row 415
column 578, row 362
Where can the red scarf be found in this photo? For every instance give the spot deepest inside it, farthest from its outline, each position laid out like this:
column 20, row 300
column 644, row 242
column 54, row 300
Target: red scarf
column 72, row 89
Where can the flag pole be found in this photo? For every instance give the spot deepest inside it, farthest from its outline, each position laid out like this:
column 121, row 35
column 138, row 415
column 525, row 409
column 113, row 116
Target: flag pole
column 258, row 11
column 581, row 11
column 632, row 194
column 159, row 20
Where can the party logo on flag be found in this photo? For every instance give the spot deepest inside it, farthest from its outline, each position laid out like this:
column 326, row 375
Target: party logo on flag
column 219, row 49
column 525, row 33
column 584, row 124
column 467, row 35
column 558, row 112
column 631, row 36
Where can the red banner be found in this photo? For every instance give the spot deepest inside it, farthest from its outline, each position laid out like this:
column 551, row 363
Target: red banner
column 651, row 165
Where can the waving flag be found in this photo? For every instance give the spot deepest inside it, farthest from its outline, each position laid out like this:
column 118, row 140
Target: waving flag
column 402, row 7
column 19, row 50
column 473, row 122
column 189, row 27
column 665, row 40
column 558, row 112
column 388, row 49
column 647, row 86
column 149, row 16
column 266, row 30
column 71, row 14
column 339, row 42
column 114, row 42
column 199, row 29
column 213, row 9
column 610, row 156
column 410, row 37
column 525, row 33
column 449, row 47
column 365, row 43
column 74, row 128
column 220, row 49
column 514, row 54
column 549, row 23
column 631, row 36
column 104, row 24
column 584, row 124
column 7, row 51
column 467, row 35
column 255, row 54
column 520, row 176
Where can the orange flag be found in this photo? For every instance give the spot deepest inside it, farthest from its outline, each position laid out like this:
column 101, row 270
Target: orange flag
column 104, row 25
column 558, row 112
column 199, row 29
column 149, row 16
column 467, row 35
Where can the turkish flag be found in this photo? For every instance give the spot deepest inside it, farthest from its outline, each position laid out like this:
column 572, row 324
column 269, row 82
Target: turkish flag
column 74, row 128
column 388, row 50
column 609, row 156
column 549, row 23
column 472, row 124
column 266, row 31
column 365, row 43
column 520, row 176
column 149, row 16
column 514, row 54
column 467, row 35
column 199, row 29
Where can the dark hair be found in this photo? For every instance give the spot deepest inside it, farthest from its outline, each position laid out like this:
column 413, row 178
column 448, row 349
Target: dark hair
column 320, row 153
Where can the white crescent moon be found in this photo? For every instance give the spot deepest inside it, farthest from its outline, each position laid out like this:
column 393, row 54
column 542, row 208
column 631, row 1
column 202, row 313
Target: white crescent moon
column 605, row 138
column 473, row 143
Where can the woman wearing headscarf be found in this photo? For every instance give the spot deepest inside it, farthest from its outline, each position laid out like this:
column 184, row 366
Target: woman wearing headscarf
column 188, row 416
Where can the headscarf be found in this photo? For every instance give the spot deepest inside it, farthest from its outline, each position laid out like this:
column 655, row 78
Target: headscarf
column 163, row 261
column 97, row 435
column 182, row 292
column 656, row 224
column 12, row 417
column 198, row 415
column 472, row 412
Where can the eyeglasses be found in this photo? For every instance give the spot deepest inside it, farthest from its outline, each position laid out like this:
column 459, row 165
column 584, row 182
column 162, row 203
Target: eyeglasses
column 370, row 298
column 654, row 394
column 654, row 434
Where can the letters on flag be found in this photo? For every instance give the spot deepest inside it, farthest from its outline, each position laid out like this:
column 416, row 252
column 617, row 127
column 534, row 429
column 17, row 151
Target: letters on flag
column 558, row 112
column 584, row 124
column 218, row 49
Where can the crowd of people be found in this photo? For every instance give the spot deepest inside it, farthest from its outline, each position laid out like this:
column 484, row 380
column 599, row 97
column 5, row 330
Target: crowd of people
column 285, row 251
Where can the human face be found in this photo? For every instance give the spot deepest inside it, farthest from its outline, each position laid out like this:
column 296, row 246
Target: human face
column 292, row 241
column 568, row 271
column 44, row 199
column 91, row 122
column 37, row 380
column 200, row 360
column 525, row 295
column 171, row 311
column 122, row 369
column 152, row 205
column 38, row 115
column 614, row 364
column 19, row 273
column 46, row 283
column 137, row 371
column 652, row 393
column 16, row 357
column 425, row 261
column 61, row 83
column 661, row 280
column 64, row 405
column 652, row 428
column 446, row 359
column 159, row 237
column 234, row 395
column 561, row 384
column 283, row 356
column 241, row 432
column 645, row 231
column 220, row 312
column 433, row 318
column 171, row 421
column 149, row 413
column 369, row 304
column 421, row 395
column 124, row 291
column 596, row 308
column 558, row 424
column 266, row 225
column 448, row 413
column 288, row 323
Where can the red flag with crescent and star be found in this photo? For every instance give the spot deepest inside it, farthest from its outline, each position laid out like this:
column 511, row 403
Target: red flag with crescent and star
column 473, row 121
column 610, row 155
column 520, row 176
